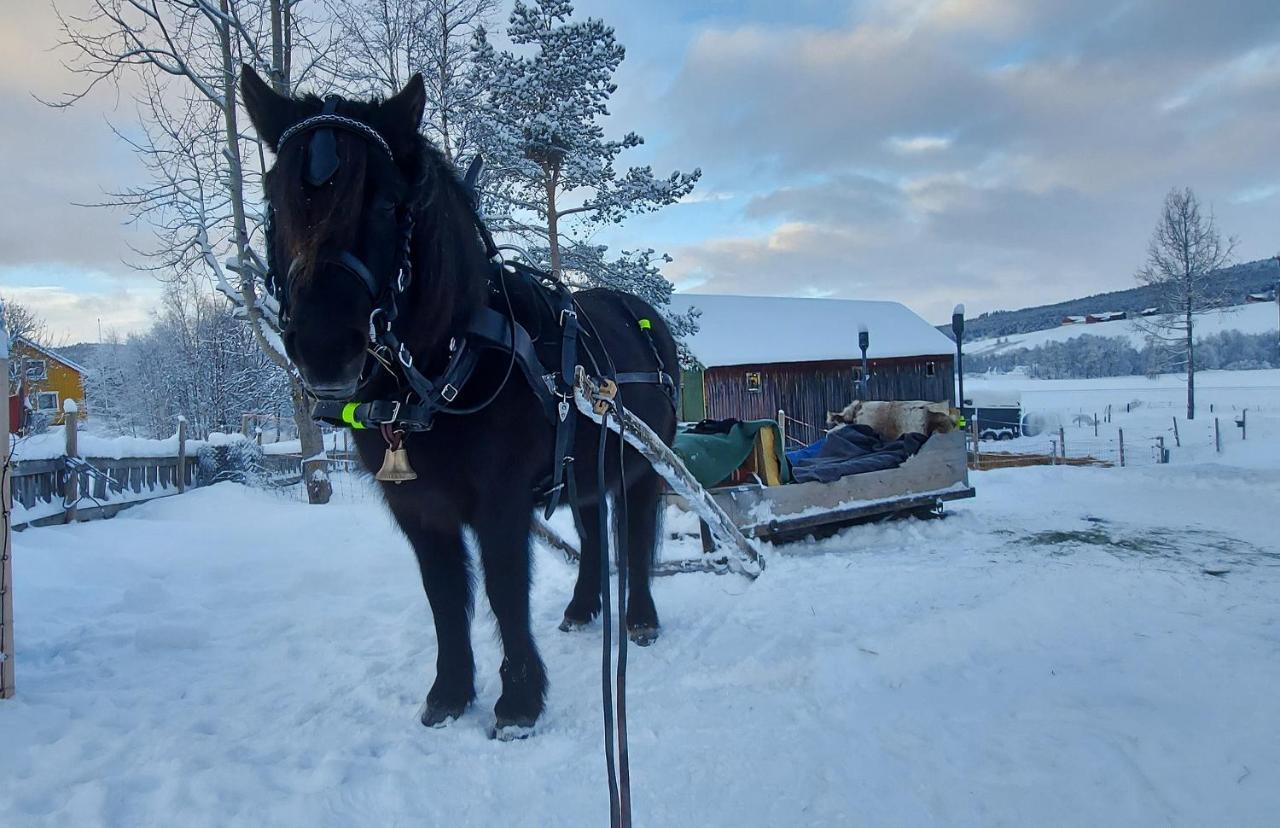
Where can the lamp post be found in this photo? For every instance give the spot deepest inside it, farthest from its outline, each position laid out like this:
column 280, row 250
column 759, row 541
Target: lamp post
column 864, row 340
column 957, row 328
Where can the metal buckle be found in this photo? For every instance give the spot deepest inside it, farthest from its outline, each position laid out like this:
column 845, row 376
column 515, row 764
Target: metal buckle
column 449, row 393
column 401, row 281
column 406, row 358
column 395, row 413
column 569, row 313
column 373, row 329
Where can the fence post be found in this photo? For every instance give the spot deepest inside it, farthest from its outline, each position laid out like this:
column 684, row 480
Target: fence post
column 1177, row 439
column 6, row 539
column 1122, row 448
column 1095, row 424
column 782, row 429
column 1244, row 424
column 1217, row 436
column 1062, row 442
column 1162, row 454
column 70, row 486
column 973, row 435
column 182, row 454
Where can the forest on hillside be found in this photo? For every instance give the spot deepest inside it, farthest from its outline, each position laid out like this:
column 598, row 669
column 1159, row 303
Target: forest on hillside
column 1088, row 356
column 1239, row 281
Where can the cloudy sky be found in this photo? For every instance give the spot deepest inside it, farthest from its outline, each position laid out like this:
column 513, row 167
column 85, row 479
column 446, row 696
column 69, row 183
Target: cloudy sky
column 996, row 152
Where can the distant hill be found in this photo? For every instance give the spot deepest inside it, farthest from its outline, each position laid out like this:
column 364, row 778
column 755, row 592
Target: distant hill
column 88, row 354
column 1241, row 279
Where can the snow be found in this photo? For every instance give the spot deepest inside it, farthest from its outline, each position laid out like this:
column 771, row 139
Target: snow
column 1253, row 318
column 333, row 441
column 52, row 444
column 803, row 330
column 1052, row 653
column 1145, row 408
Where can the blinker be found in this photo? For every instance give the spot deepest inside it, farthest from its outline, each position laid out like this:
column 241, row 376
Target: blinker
column 322, row 149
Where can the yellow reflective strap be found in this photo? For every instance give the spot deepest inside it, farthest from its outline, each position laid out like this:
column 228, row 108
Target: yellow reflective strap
column 349, row 415
column 645, row 324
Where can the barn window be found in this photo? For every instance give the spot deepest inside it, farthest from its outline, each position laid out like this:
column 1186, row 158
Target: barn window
column 930, row 369
column 47, row 401
column 753, row 380
column 37, row 369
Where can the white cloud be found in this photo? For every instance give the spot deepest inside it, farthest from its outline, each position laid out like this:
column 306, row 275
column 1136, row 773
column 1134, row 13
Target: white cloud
column 74, row 316
column 917, row 144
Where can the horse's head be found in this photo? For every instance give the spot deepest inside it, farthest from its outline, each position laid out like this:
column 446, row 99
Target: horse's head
column 338, row 198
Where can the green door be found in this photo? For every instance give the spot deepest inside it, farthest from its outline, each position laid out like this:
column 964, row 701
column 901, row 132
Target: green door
column 693, row 404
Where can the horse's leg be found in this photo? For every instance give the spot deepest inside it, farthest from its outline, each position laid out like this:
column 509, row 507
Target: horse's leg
column 642, row 536
column 585, row 604
column 504, row 551
column 442, row 559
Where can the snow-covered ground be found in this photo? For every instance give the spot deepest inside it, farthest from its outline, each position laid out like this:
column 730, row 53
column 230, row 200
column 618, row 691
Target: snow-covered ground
column 1145, row 408
column 1254, row 318
column 1051, row 653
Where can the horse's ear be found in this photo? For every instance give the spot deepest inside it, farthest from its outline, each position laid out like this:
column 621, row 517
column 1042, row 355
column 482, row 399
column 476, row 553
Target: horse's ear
column 271, row 112
column 405, row 108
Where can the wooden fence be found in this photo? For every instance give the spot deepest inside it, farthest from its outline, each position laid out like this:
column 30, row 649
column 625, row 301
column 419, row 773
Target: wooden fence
column 6, row 538
column 72, row 488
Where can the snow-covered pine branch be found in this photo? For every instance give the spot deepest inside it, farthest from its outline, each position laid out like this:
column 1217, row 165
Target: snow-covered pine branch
column 552, row 176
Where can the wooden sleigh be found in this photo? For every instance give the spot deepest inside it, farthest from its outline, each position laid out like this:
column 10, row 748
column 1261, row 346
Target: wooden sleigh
column 734, row 519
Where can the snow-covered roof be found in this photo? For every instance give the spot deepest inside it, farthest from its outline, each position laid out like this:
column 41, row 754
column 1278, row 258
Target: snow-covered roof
column 54, row 355
column 740, row 330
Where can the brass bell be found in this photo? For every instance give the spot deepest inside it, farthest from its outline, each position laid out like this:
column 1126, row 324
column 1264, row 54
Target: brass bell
column 395, row 467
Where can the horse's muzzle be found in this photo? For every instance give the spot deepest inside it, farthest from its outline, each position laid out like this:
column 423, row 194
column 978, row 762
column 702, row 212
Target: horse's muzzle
column 343, row 391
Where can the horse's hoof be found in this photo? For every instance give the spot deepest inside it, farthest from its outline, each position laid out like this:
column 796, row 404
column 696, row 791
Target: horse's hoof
column 512, row 730
column 441, row 715
column 643, row 636
column 574, row 624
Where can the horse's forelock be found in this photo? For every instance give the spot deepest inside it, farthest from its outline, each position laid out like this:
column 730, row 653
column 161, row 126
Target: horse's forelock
column 311, row 220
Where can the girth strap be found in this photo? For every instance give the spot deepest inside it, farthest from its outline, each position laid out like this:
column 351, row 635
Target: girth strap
column 661, row 378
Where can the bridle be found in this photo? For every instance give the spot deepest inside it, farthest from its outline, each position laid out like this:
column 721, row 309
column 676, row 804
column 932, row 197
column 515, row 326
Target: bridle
column 423, row 397
column 322, row 165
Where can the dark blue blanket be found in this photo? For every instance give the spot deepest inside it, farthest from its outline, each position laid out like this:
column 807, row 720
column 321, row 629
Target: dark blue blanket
column 851, row 449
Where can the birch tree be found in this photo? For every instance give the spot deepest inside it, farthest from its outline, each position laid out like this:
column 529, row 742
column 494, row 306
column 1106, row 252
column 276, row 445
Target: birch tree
column 1183, row 258
column 185, row 55
column 380, row 44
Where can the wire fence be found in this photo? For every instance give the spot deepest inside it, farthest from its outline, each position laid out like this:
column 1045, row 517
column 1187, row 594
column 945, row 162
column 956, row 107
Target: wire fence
column 1111, row 438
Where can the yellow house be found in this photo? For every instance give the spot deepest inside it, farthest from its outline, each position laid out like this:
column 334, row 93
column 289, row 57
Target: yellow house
column 47, row 379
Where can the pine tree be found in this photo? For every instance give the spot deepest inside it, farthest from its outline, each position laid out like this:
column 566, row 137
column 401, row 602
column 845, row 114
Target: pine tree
column 550, row 171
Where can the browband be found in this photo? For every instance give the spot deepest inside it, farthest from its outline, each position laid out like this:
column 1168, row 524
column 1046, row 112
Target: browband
column 339, row 121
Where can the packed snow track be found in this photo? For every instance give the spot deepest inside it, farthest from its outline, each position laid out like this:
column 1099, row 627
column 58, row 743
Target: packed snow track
column 1052, row 652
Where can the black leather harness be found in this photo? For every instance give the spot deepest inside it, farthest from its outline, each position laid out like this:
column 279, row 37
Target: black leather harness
column 420, row 399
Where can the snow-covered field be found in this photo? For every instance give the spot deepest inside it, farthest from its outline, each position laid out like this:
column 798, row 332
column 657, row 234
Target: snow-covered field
column 1254, row 318
column 1145, row 408
column 1051, row 653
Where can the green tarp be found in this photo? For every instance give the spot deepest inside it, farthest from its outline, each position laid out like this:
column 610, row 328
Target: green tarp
column 713, row 457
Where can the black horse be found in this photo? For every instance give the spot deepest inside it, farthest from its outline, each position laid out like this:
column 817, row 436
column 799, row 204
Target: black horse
column 353, row 193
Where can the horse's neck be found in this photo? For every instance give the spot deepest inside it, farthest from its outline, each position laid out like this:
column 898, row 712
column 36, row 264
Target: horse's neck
column 450, row 266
